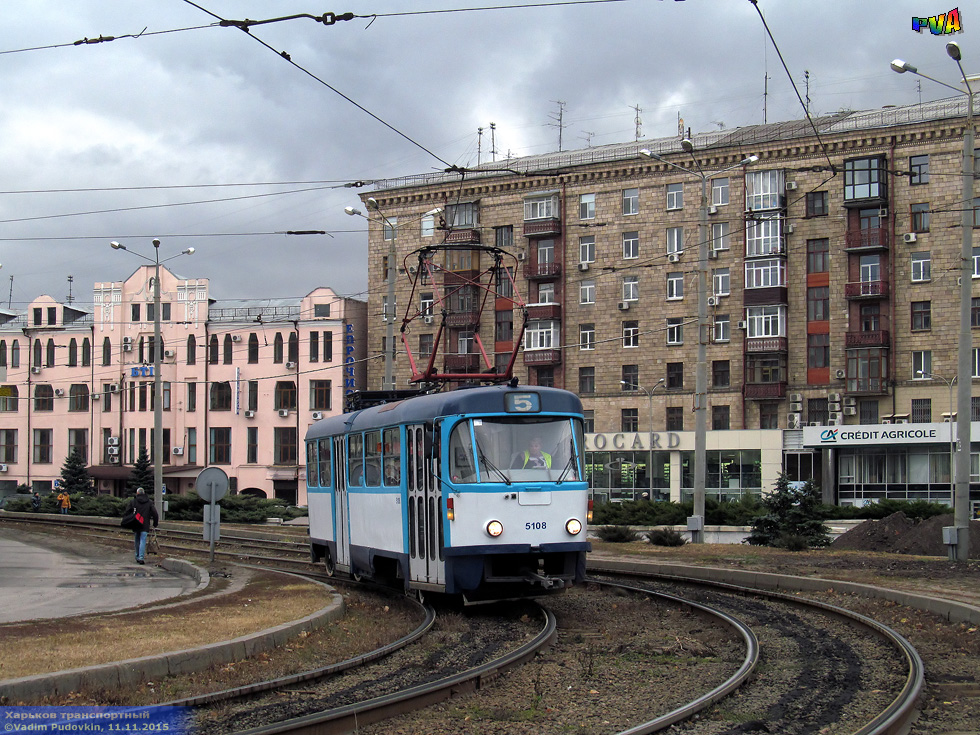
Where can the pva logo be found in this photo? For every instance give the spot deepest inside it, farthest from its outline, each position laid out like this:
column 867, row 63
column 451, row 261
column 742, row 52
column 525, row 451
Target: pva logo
column 828, row 435
column 939, row 25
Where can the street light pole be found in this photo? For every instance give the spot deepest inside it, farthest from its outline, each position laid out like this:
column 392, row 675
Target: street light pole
column 964, row 367
column 952, row 454
column 649, row 394
column 695, row 523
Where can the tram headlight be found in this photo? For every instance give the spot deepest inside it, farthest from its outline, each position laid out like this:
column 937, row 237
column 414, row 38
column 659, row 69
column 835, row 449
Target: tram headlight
column 574, row 526
column 495, row 528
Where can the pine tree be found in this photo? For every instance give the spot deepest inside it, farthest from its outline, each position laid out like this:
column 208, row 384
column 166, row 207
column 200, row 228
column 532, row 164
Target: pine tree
column 142, row 475
column 74, row 476
column 792, row 519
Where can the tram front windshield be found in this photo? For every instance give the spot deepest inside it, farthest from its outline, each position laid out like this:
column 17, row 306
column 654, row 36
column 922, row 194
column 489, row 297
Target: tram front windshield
column 507, row 450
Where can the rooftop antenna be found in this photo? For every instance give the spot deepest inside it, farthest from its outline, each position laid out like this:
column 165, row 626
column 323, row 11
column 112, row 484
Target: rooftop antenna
column 587, row 137
column 806, row 79
column 479, row 144
column 493, row 141
column 10, row 295
column 638, row 121
column 70, row 297
column 558, row 118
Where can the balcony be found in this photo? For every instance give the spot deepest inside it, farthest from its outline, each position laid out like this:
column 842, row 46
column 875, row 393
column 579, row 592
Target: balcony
column 459, row 277
column 766, row 344
column 879, row 338
column 542, row 357
column 544, row 311
column 542, row 271
column 875, row 238
column 765, row 391
column 867, row 386
column 542, row 227
column 462, row 319
column 866, row 290
column 463, row 363
column 465, row 235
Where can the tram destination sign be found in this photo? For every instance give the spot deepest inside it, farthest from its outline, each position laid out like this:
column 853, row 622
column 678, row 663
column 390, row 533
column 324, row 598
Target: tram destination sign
column 880, row 434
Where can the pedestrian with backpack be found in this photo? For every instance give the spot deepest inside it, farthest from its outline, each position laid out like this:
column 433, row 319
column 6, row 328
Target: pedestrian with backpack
column 144, row 513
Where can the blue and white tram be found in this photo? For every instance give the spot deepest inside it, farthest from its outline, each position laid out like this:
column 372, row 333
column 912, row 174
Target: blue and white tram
column 444, row 492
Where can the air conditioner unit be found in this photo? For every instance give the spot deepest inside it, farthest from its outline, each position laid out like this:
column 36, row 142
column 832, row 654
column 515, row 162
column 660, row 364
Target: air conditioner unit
column 113, row 441
column 901, row 421
column 250, row 414
column 59, row 392
column 712, row 209
column 814, row 423
column 743, row 325
column 113, row 387
column 521, row 255
column 834, row 397
column 833, row 406
column 909, row 237
column 790, row 186
column 793, row 421
column 127, row 344
column 170, row 354
column 427, row 319
column 841, row 374
column 583, row 267
column 673, row 257
column 796, row 397
column 284, row 412
column 236, row 338
column 712, row 253
column 624, row 305
column 948, row 417
column 886, row 421
column 836, row 417
column 178, row 451
column 712, row 301
column 317, row 415
column 290, row 365
column 850, row 401
column 114, row 460
column 850, row 410
column 883, row 212
column 3, row 468
column 112, row 451
column 790, row 229
column 796, row 406
column 36, row 369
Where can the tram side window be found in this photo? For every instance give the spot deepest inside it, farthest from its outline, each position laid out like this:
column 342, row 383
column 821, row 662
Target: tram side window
column 355, row 460
column 312, row 480
column 372, row 458
column 324, row 460
column 461, row 465
column 392, row 457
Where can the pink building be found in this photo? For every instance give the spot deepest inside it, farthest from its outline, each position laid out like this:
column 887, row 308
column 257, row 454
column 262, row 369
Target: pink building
column 242, row 381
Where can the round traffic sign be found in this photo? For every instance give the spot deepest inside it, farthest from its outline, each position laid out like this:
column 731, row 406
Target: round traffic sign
column 212, row 484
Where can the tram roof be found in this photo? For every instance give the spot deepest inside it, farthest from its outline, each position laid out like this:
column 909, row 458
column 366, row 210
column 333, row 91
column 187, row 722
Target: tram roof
column 476, row 400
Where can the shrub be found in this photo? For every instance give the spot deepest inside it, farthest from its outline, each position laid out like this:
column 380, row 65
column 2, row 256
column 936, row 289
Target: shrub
column 793, row 516
column 616, row 534
column 666, row 537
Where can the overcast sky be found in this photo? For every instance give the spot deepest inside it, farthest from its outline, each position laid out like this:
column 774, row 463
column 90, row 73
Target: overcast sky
column 141, row 132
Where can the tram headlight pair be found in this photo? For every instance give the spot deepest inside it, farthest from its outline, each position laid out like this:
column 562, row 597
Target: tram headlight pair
column 573, row 526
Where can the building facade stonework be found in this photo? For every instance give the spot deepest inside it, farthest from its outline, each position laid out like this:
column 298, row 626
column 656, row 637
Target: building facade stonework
column 832, row 294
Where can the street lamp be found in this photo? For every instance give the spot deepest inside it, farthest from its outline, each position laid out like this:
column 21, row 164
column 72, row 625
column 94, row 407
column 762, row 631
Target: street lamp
column 696, row 522
column 949, row 383
column 650, row 447
column 961, row 496
column 157, row 354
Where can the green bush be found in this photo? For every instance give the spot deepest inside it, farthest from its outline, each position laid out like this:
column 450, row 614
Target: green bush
column 793, row 518
column 640, row 513
column 665, row 537
column 616, row 534
column 918, row 510
column 234, row 509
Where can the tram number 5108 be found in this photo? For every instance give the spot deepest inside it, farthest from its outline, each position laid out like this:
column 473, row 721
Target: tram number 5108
column 536, row 525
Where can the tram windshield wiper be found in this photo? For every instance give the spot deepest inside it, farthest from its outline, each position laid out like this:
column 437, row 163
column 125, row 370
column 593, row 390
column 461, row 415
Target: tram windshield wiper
column 568, row 466
column 490, row 465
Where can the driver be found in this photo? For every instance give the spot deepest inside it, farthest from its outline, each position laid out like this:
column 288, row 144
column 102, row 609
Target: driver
column 532, row 458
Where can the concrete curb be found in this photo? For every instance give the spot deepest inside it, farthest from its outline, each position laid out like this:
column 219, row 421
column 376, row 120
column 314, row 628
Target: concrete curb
column 112, row 676
column 185, row 568
column 956, row 612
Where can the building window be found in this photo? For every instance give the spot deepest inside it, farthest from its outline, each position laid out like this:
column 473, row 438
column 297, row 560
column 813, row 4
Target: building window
column 818, row 304
column 721, row 282
column 675, row 240
column 631, row 288
column 631, row 245
column 631, row 334
column 818, row 255
column 675, row 286
column 721, row 374
column 818, row 350
column 285, row 395
column 631, row 201
column 675, row 331
column 426, row 344
column 252, row 400
column 586, row 336
column 765, row 273
column 722, row 328
column 868, row 412
column 976, row 364
column 78, row 443
column 765, row 369
column 631, row 377
column 78, row 397
column 504, row 326
column 42, row 446
column 504, row 236
column 43, row 397
column 629, row 420
column 764, row 236
column 9, row 399
column 8, row 446
column 228, row 350
column 192, row 397
column 586, row 380
column 921, row 315
column 546, row 293
column 541, row 207
column 284, row 446
column 720, row 418
column 817, row 411
column 252, row 445
column 768, row 415
column 586, row 249
column 320, row 391
column 221, row 396
column 588, row 422
column 921, row 267
column 135, row 312
column 921, row 412
column 586, row 206
column 763, row 189
column 220, row 445
column 766, row 321
column 586, row 292
column 816, row 204
column 675, row 375
column 277, row 348
column 213, row 350
column 675, row 196
column 540, row 335
column 864, row 178
column 720, row 236
column 719, row 191
column 675, row 418
column 919, row 170
column 921, row 364
column 920, row 217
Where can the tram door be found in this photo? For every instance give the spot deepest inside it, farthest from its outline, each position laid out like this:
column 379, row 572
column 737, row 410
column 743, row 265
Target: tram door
column 341, row 518
column 424, row 512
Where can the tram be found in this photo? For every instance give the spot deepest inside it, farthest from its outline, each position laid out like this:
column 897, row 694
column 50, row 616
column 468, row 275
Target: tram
column 477, row 492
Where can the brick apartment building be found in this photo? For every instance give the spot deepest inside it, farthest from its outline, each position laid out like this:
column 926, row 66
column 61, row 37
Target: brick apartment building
column 242, row 381
column 832, row 270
